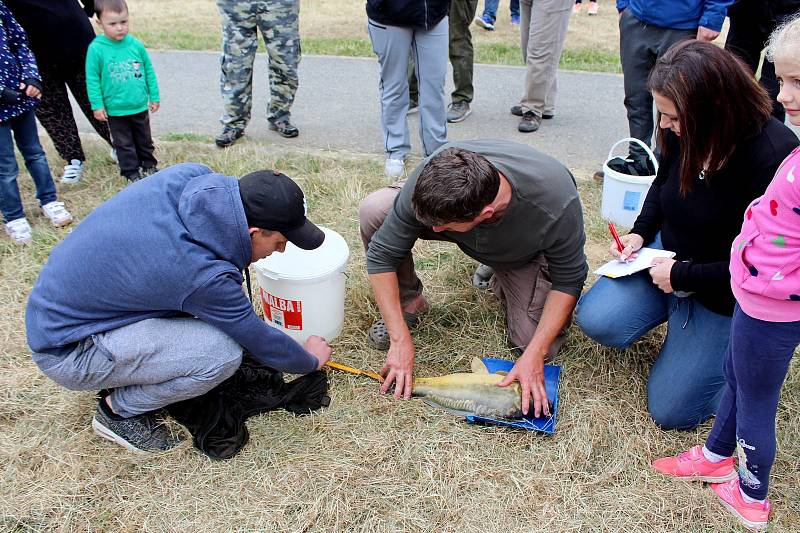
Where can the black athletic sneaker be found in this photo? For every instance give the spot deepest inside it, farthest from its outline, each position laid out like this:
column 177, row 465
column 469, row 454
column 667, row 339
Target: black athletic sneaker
column 141, row 433
column 148, row 171
column 228, row 136
column 133, row 177
column 284, row 128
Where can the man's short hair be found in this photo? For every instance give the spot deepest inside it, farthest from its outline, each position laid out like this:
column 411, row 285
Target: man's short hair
column 115, row 6
column 454, row 186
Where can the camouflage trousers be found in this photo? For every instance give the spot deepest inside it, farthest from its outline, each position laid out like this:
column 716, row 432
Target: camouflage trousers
column 277, row 20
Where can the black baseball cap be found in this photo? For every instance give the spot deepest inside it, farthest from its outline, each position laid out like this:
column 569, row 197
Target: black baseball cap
column 272, row 201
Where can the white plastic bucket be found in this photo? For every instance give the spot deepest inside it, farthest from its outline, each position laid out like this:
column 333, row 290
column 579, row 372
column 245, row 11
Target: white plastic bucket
column 302, row 291
column 623, row 194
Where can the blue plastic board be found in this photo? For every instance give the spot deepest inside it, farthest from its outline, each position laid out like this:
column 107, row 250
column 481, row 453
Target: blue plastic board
column 545, row 424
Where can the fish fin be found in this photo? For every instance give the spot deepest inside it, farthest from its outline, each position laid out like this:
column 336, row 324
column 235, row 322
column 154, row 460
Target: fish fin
column 501, row 373
column 478, row 366
column 457, row 412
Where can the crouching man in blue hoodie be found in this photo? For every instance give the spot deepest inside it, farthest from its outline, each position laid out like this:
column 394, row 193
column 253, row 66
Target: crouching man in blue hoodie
column 144, row 298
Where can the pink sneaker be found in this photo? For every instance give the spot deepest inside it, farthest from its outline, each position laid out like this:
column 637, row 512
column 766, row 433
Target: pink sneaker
column 754, row 515
column 692, row 465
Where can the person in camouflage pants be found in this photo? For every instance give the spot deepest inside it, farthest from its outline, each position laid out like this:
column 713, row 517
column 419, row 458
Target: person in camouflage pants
column 278, row 22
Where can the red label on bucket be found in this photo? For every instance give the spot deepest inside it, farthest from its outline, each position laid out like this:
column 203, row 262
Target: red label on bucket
column 287, row 314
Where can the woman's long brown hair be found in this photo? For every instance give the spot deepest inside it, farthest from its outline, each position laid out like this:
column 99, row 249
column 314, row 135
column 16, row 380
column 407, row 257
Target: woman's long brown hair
column 719, row 104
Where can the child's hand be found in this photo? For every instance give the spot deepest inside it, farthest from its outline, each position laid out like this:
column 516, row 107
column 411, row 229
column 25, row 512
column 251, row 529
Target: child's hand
column 30, row 90
column 100, row 114
column 154, row 106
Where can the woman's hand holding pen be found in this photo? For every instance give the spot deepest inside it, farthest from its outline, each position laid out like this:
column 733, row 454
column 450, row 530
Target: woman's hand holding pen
column 631, row 242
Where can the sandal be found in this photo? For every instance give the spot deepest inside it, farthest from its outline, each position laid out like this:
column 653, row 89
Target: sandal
column 482, row 277
column 378, row 334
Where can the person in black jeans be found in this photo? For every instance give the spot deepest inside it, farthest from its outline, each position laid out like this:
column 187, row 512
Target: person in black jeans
column 752, row 21
column 59, row 32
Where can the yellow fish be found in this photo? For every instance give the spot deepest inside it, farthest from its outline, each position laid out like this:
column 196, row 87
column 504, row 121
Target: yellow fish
column 476, row 393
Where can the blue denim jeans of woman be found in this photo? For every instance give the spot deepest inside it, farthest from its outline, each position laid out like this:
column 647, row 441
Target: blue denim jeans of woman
column 27, row 138
column 686, row 380
column 490, row 9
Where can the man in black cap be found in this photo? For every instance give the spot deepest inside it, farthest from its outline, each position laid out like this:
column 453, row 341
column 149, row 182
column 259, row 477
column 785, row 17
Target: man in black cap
column 144, row 299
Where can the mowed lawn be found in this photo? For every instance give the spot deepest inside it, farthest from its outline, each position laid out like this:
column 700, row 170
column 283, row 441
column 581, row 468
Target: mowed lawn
column 338, row 27
column 366, row 463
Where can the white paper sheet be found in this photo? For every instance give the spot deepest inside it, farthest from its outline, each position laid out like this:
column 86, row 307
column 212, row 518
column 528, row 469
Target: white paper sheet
column 643, row 261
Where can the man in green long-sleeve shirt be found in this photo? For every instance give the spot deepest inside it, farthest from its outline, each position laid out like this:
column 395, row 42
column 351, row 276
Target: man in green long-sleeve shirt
column 505, row 204
column 122, row 88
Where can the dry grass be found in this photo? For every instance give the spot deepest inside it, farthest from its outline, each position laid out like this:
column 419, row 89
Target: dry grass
column 339, row 27
column 367, row 463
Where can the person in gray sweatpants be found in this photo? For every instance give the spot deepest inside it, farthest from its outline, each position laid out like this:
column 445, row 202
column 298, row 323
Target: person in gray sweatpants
column 152, row 312
column 399, row 29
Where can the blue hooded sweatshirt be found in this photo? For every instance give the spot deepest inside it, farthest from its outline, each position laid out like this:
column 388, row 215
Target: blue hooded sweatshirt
column 679, row 14
column 172, row 244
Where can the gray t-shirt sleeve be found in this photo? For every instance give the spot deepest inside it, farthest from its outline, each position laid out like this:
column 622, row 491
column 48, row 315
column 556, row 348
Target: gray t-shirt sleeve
column 563, row 250
column 396, row 237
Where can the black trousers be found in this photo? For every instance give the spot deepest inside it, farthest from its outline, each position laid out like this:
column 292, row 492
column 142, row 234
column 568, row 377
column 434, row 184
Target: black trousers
column 752, row 21
column 55, row 111
column 131, row 138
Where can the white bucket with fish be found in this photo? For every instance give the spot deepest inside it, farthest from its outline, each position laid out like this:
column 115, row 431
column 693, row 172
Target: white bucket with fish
column 623, row 194
column 302, row 291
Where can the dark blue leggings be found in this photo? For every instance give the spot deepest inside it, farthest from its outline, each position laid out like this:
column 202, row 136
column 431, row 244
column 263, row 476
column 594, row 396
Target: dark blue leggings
column 755, row 366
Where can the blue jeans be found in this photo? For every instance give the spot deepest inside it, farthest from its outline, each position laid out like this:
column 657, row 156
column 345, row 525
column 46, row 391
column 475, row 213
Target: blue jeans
column 490, row 9
column 27, row 138
column 686, row 380
column 755, row 367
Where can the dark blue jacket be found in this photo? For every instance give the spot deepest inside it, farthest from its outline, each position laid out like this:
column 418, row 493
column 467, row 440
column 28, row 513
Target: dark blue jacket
column 173, row 244
column 679, row 14
column 423, row 14
column 17, row 65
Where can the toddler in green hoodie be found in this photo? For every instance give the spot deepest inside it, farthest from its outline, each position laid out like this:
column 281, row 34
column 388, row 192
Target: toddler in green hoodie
column 122, row 89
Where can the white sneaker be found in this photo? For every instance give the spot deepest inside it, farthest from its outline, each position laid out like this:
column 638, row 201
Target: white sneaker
column 72, row 171
column 113, row 155
column 19, row 230
column 57, row 213
column 394, row 168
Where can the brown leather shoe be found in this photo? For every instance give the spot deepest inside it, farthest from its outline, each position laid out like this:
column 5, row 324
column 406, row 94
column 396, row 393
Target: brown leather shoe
column 529, row 123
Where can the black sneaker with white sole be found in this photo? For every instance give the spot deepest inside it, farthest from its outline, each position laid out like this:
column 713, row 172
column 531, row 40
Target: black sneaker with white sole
column 140, row 433
column 284, row 128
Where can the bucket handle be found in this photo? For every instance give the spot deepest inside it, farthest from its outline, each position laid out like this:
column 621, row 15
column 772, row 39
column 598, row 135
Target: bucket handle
column 647, row 149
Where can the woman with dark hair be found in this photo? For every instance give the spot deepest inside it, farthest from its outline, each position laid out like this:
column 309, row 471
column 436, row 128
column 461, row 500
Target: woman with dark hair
column 719, row 151
column 59, row 33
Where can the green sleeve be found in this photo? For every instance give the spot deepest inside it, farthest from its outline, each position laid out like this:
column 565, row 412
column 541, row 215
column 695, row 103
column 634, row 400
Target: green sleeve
column 150, row 75
column 94, row 65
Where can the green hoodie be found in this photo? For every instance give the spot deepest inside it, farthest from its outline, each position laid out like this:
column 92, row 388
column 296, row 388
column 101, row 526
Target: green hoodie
column 119, row 76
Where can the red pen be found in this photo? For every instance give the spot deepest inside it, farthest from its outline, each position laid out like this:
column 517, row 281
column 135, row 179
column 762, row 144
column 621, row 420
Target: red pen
column 614, row 234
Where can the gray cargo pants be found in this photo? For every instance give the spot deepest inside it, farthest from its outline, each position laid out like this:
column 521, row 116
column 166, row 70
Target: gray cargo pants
column 149, row 364
column 522, row 290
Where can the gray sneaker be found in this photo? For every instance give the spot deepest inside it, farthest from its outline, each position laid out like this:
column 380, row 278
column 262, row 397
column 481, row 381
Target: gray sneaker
column 141, row 433
column 458, row 111
column 228, row 136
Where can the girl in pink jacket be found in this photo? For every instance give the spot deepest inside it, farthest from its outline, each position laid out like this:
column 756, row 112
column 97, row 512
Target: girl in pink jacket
column 765, row 330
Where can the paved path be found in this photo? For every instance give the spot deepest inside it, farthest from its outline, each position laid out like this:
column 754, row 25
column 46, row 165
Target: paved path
column 337, row 107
